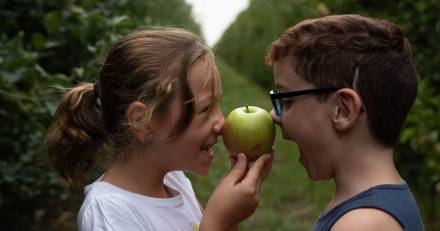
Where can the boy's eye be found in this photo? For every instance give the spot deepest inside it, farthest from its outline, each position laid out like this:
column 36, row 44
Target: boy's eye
column 287, row 102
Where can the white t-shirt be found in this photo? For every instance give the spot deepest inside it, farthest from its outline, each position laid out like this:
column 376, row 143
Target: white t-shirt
column 108, row 207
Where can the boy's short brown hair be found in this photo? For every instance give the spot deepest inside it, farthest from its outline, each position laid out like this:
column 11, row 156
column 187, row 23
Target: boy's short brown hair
column 369, row 55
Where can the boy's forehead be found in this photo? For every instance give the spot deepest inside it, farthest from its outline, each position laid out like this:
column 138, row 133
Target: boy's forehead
column 284, row 74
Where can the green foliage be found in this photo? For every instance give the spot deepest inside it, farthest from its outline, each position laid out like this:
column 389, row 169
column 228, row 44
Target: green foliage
column 418, row 154
column 44, row 47
column 245, row 42
column 28, row 98
column 68, row 34
column 48, row 45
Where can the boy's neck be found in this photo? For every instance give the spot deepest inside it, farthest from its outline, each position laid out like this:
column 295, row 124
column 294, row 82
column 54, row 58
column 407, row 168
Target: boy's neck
column 361, row 169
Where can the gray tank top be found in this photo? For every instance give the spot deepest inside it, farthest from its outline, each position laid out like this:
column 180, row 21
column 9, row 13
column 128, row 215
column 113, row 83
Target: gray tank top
column 396, row 200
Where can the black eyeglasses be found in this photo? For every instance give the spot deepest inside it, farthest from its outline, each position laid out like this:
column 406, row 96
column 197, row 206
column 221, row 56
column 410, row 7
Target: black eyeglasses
column 277, row 97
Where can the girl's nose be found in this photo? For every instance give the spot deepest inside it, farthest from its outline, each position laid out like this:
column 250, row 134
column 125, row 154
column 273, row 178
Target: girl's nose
column 275, row 118
column 219, row 122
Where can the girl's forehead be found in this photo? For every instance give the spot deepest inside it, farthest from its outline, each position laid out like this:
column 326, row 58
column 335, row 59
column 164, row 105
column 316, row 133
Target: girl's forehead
column 203, row 77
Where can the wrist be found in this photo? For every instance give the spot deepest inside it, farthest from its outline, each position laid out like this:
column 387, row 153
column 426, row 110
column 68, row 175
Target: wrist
column 210, row 223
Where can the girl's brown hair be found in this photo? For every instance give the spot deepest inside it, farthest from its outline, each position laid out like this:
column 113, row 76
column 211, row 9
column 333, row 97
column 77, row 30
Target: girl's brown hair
column 150, row 66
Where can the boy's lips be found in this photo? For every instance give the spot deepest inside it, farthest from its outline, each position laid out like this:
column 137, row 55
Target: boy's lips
column 300, row 156
column 285, row 136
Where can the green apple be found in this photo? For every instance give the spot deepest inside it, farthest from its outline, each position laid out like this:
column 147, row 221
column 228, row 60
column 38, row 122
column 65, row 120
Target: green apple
column 249, row 130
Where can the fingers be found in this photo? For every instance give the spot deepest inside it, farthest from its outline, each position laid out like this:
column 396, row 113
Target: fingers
column 232, row 161
column 268, row 165
column 238, row 169
column 242, row 169
column 272, row 154
column 256, row 171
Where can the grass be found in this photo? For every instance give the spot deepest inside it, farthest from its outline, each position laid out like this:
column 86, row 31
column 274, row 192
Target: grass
column 289, row 200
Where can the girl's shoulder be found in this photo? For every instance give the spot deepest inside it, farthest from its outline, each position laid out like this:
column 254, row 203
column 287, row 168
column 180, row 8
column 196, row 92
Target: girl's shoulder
column 178, row 181
column 107, row 206
column 176, row 177
column 102, row 195
column 101, row 190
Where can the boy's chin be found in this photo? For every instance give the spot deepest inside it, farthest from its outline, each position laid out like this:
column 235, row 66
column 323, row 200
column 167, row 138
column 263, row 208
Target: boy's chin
column 318, row 178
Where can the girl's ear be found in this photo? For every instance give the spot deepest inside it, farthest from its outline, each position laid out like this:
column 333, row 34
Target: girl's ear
column 347, row 109
column 136, row 115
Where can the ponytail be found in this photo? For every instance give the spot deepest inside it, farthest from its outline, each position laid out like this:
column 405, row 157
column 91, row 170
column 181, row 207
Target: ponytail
column 77, row 134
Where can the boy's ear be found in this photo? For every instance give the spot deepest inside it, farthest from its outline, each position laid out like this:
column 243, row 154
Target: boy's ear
column 347, row 108
column 136, row 113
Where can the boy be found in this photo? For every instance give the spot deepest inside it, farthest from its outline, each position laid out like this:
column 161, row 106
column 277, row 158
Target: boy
column 345, row 84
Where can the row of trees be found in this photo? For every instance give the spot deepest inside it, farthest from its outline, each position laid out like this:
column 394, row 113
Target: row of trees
column 245, row 42
column 47, row 45
column 44, row 46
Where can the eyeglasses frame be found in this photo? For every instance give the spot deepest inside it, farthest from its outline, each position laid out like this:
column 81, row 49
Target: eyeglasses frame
column 276, row 96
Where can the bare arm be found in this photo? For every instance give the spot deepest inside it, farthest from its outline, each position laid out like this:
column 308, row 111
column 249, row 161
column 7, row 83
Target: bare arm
column 233, row 228
column 237, row 195
column 366, row 219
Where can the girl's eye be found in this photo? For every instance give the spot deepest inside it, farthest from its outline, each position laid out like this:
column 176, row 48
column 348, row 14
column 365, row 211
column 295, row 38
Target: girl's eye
column 205, row 109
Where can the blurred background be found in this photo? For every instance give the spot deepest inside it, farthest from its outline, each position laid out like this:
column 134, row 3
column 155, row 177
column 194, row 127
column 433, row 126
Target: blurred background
column 48, row 45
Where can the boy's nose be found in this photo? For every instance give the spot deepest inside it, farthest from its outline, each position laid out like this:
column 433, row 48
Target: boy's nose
column 275, row 118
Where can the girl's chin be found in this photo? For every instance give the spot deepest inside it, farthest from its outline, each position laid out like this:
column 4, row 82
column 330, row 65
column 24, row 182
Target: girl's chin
column 201, row 172
column 204, row 162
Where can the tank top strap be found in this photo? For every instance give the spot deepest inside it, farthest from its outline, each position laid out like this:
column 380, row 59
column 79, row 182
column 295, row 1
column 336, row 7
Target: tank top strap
column 396, row 200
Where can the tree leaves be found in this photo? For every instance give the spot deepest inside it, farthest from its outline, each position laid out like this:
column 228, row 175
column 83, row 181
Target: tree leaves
column 46, row 46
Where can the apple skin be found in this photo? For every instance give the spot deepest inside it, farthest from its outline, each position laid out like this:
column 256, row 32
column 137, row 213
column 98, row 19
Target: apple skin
column 250, row 131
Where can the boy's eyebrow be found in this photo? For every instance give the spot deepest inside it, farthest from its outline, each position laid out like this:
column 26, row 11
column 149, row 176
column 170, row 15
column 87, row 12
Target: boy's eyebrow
column 279, row 87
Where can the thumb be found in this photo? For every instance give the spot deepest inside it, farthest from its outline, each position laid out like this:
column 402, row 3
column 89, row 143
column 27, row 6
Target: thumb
column 238, row 169
column 255, row 173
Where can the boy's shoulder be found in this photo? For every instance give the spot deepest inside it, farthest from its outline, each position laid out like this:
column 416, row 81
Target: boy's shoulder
column 383, row 207
column 377, row 220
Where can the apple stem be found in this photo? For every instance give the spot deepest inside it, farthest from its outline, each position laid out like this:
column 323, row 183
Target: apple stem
column 247, row 108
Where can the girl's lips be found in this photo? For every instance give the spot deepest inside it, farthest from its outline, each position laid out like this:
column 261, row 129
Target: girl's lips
column 210, row 144
column 208, row 153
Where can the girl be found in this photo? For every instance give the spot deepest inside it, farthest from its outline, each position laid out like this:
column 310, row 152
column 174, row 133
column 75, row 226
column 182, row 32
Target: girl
column 156, row 111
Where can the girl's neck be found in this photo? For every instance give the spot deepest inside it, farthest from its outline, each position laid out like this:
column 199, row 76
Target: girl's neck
column 137, row 176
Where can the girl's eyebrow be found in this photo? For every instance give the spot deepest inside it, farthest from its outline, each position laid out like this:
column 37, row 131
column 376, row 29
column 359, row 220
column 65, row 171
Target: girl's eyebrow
column 190, row 101
column 210, row 99
column 206, row 98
